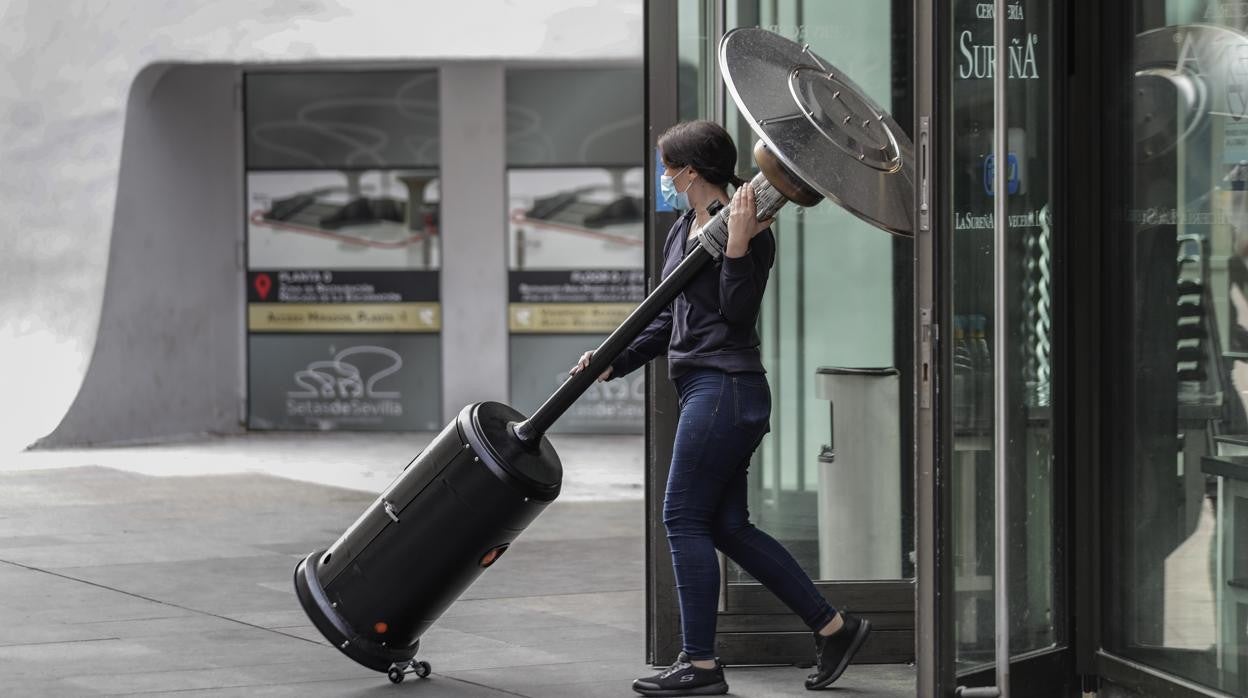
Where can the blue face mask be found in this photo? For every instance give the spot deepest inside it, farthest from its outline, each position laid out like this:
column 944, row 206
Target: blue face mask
column 678, row 200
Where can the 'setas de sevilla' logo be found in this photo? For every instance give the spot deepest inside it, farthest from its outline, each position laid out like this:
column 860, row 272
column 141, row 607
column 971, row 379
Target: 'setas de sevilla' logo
column 343, row 390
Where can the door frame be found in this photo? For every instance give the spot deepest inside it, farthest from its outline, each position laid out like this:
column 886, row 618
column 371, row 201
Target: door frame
column 1036, row 673
column 755, row 627
column 663, row 638
column 934, row 627
column 1096, row 46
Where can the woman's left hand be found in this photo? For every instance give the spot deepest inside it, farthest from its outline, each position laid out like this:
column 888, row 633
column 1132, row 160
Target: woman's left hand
column 743, row 223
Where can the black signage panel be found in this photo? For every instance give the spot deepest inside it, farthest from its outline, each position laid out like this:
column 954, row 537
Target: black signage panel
column 334, row 286
column 578, row 286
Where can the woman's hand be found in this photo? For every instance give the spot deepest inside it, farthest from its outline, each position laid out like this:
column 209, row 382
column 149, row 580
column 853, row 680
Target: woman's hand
column 743, row 223
column 584, row 363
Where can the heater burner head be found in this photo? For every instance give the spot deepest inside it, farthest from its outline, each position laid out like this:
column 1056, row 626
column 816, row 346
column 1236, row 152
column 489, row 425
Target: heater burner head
column 845, row 119
column 822, row 127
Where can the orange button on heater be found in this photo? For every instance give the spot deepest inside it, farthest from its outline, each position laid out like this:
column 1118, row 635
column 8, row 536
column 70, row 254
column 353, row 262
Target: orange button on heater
column 380, row 627
column 492, row 555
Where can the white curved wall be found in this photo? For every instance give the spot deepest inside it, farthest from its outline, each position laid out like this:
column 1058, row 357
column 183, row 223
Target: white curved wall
column 65, row 69
column 166, row 361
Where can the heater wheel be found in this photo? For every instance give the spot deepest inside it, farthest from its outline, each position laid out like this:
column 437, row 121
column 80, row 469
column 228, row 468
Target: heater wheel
column 399, row 671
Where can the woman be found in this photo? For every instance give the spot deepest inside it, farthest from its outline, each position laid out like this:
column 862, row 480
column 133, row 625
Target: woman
column 708, row 334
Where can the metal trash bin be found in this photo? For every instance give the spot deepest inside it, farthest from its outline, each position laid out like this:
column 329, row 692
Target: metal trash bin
column 859, row 494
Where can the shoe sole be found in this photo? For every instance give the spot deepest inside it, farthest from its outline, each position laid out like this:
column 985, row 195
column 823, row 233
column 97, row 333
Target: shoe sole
column 863, row 631
column 715, row 689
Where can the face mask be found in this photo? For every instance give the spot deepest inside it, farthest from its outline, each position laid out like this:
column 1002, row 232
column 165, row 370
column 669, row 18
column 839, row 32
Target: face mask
column 678, row 200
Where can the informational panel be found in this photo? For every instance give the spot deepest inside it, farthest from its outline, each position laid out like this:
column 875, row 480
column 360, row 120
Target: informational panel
column 359, row 382
column 323, row 300
column 585, row 300
column 343, row 312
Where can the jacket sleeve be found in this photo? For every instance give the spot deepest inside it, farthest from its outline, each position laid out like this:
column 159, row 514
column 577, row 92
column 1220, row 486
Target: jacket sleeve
column 650, row 344
column 654, row 340
column 742, row 281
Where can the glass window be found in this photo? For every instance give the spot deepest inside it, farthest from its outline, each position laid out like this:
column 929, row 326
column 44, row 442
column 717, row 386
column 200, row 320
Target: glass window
column 563, row 117
column 1177, row 523
column 342, row 250
column 831, row 302
column 695, row 47
column 576, row 270
column 575, row 235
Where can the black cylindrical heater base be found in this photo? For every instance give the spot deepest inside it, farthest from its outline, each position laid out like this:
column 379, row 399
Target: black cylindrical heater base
column 337, row 629
column 452, row 513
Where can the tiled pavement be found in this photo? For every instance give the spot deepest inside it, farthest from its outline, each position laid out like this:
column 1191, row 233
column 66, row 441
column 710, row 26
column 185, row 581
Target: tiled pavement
column 121, row 583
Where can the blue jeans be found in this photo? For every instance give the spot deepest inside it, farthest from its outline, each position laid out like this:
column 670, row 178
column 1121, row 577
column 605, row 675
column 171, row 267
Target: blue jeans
column 723, row 417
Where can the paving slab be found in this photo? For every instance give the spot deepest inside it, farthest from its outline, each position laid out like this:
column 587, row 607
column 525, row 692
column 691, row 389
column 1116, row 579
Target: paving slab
column 124, row 583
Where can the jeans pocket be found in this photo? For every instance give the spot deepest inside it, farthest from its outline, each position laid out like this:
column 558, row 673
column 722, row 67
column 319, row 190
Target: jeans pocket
column 751, row 401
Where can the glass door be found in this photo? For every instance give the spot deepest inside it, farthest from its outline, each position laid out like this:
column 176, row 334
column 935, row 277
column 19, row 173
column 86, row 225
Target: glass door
column 1175, row 568
column 833, row 479
column 1028, row 313
column 973, row 436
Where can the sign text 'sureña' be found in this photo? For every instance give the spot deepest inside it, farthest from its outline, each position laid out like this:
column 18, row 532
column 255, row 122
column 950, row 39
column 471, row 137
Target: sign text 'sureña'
column 978, row 59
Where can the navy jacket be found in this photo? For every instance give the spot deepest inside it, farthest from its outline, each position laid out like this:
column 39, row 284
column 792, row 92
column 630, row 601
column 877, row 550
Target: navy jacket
column 711, row 324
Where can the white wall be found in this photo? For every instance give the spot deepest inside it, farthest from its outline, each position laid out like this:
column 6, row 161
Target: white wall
column 65, row 70
column 166, row 362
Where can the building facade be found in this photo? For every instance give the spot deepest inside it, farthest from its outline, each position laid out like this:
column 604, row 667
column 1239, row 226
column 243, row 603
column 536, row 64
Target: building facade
column 1120, row 311
column 385, row 238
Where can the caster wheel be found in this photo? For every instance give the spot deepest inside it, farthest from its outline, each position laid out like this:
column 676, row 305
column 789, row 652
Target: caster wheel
column 395, row 674
column 423, row 669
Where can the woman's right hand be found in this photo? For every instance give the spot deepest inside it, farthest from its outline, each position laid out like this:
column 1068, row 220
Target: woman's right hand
column 584, row 363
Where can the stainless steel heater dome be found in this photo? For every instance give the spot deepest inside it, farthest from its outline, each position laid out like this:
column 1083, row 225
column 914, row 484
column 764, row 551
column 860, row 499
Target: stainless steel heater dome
column 820, row 128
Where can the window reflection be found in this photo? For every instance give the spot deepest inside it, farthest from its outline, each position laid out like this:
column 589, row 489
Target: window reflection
column 832, row 301
column 1178, row 569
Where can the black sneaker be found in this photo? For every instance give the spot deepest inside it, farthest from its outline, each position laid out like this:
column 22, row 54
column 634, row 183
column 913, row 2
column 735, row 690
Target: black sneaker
column 832, row 653
column 684, row 679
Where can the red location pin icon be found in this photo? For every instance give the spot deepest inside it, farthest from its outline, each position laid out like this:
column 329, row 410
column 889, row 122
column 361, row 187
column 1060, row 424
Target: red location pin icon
column 263, row 285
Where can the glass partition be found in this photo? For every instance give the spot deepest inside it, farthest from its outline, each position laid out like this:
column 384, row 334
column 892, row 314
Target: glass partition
column 1176, row 589
column 833, row 480
column 833, row 302
column 1034, row 576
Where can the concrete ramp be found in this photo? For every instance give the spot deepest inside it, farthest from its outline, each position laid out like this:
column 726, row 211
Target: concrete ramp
column 168, row 357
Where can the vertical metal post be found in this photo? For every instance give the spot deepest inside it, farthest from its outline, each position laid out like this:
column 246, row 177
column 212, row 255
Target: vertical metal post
column 933, row 630
column 1001, row 158
column 660, row 56
column 719, row 12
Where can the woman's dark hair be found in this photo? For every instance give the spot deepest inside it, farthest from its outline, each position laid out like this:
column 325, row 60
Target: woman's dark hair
column 706, row 147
